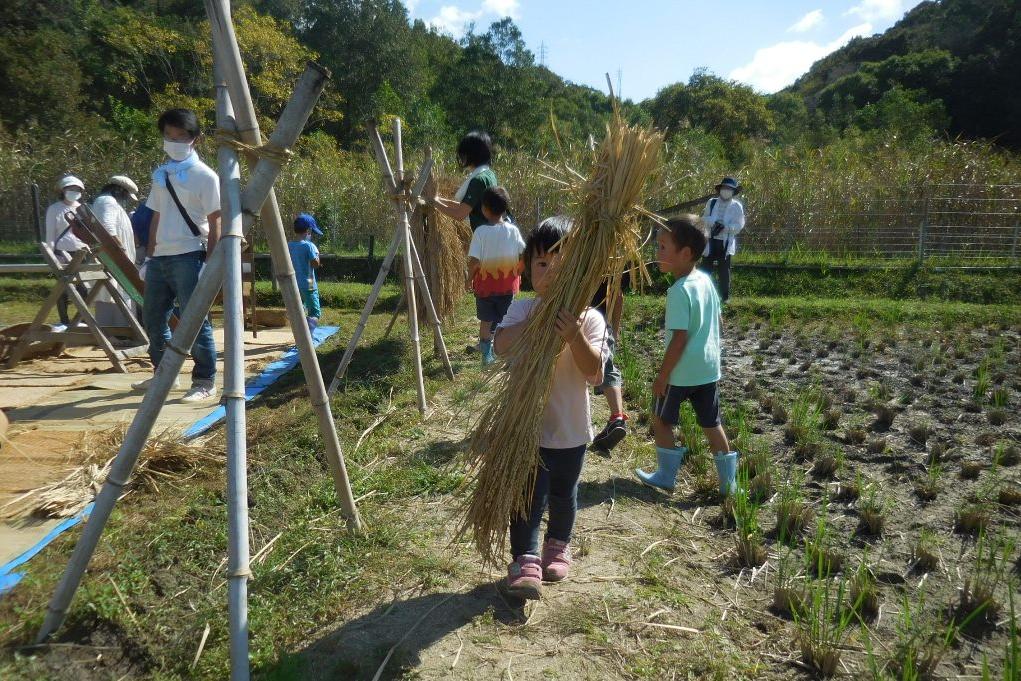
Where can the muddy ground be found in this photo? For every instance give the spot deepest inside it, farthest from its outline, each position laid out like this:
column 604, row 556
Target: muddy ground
column 657, row 591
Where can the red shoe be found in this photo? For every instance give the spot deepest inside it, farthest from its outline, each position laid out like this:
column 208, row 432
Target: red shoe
column 524, row 578
column 556, row 560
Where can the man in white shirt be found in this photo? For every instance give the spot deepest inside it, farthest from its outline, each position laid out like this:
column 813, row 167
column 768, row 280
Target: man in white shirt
column 185, row 198
column 59, row 236
column 723, row 219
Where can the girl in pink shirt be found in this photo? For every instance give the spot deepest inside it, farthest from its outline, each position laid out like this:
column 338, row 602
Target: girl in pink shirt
column 566, row 426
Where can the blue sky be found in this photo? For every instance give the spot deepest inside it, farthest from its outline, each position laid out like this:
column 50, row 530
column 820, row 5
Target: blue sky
column 653, row 43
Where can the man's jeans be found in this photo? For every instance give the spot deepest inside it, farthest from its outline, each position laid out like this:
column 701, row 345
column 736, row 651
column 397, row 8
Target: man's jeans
column 167, row 278
column 718, row 257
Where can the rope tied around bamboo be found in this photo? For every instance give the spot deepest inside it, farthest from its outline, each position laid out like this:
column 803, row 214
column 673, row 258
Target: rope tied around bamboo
column 503, row 452
column 267, row 150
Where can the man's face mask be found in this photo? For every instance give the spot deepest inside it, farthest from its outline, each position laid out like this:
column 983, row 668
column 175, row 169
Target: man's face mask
column 726, row 194
column 178, row 151
column 72, row 195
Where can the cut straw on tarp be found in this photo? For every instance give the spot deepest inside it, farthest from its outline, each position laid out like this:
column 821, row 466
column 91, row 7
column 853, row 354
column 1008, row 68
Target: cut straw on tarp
column 604, row 243
column 164, row 458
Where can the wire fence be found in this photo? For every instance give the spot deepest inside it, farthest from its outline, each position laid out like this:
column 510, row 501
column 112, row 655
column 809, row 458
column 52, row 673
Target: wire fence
column 957, row 223
column 21, row 216
column 953, row 222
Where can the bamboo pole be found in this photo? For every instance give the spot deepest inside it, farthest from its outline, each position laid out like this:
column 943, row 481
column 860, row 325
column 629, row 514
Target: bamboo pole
column 134, row 440
column 409, row 274
column 234, row 392
column 141, row 426
column 226, row 47
column 433, row 317
column 396, row 187
column 377, row 287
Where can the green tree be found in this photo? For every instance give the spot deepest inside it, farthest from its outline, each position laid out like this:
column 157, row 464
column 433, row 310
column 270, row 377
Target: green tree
column 729, row 110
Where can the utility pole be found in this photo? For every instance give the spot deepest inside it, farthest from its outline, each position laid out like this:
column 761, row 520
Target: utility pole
column 620, row 77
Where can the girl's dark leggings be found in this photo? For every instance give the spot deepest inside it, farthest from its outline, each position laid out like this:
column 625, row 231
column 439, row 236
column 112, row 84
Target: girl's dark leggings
column 556, row 485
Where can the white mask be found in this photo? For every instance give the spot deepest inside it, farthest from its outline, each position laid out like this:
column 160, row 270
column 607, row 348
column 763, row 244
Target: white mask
column 72, row 195
column 178, row 151
column 726, row 194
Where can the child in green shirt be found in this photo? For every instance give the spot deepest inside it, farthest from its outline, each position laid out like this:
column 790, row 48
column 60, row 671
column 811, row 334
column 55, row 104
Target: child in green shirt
column 691, row 364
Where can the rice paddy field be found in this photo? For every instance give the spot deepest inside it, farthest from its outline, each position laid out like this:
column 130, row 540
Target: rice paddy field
column 876, row 534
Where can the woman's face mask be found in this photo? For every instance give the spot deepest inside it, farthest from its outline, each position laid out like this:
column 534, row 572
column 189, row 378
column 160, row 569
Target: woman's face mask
column 72, row 195
column 726, row 194
column 177, row 151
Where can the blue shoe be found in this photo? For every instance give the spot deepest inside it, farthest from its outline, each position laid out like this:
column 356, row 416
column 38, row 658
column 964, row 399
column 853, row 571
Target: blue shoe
column 665, row 476
column 486, row 349
column 726, row 468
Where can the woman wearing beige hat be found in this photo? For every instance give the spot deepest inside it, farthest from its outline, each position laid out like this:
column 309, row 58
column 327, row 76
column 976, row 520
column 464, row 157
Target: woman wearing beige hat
column 111, row 208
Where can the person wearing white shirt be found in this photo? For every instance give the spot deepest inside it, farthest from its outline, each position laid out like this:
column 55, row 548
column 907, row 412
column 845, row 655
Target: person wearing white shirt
column 185, row 199
column 723, row 219
column 59, row 236
column 110, row 208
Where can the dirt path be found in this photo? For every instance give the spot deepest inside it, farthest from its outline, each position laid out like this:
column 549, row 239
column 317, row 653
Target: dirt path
column 645, row 591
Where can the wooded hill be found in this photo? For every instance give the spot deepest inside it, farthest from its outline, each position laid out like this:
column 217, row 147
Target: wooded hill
column 103, row 69
column 76, row 64
column 960, row 58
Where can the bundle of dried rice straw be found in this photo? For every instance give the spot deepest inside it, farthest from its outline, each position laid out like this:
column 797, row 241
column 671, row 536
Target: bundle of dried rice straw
column 442, row 244
column 165, row 457
column 604, row 242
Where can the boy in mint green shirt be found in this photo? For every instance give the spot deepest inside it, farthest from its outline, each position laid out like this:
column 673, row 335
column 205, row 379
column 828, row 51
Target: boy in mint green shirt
column 691, row 363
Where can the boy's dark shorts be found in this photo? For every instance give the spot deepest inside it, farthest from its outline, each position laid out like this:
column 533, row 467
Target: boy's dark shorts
column 492, row 308
column 705, row 399
column 611, row 373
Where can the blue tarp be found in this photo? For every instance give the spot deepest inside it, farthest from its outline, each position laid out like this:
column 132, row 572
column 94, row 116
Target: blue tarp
column 9, row 578
column 269, row 375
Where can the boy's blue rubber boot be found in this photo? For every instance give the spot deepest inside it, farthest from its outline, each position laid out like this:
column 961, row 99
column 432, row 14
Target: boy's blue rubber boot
column 486, row 350
column 726, row 468
column 665, row 476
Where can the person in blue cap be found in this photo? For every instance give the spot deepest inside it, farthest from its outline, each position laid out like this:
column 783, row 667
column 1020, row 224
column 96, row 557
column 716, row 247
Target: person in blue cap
column 724, row 219
column 305, row 259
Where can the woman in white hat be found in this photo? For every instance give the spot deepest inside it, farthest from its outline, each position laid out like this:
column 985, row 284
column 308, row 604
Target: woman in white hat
column 58, row 232
column 110, row 208
column 724, row 220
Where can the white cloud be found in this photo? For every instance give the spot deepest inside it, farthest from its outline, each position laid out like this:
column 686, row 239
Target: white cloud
column 777, row 66
column 411, row 5
column 502, row 8
column 453, row 20
column 877, row 10
column 807, row 22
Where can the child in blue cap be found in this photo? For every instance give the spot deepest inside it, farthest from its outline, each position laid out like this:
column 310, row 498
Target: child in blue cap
column 305, row 259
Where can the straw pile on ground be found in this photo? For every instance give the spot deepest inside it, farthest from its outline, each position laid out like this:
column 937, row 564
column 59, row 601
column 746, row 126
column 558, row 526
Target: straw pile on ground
column 442, row 244
column 605, row 241
column 165, row 458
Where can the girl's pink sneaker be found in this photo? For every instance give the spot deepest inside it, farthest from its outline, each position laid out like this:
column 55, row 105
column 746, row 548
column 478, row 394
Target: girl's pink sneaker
column 556, row 560
column 524, row 578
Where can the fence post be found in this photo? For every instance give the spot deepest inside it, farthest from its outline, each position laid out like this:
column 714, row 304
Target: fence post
column 372, row 249
column 37, row 212
column 922, row 228
column 1013, row 243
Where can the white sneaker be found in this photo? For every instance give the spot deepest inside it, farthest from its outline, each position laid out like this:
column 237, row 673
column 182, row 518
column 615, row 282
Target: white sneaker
column 200, row 393
column 142, row 386
column 59, row 327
